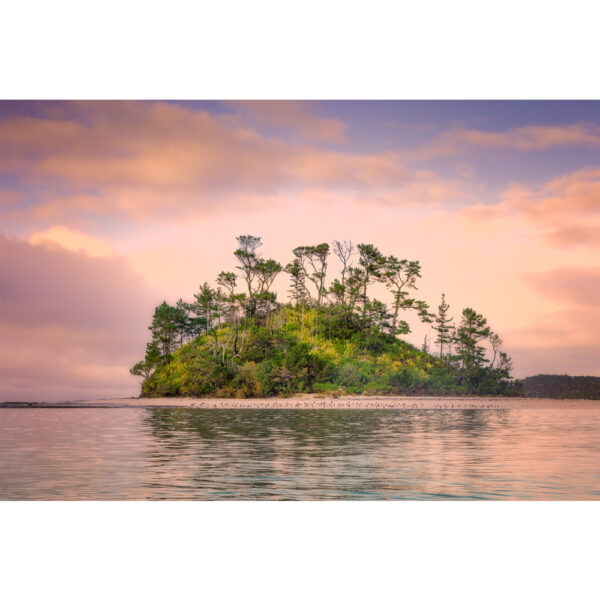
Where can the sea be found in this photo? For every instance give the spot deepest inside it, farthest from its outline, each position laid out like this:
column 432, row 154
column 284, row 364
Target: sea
column 199, row 454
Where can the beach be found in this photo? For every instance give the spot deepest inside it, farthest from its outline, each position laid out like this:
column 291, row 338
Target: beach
column 312, row 402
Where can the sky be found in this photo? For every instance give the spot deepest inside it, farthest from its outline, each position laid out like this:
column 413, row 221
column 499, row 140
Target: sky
column 110, row 207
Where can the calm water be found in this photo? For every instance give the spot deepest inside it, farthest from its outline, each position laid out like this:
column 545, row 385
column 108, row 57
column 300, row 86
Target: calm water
column 143, row 453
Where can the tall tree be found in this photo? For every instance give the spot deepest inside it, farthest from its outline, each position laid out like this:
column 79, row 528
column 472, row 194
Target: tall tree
column 371, row 262
column 473, row 328
column 443, row 324
column 183, row 309
column 496, row 343
column 266, row 272
column 258, row 273
column 165, row 328
column 248, row 257
column 400, row 277
column 266, row 300
column 313, row 261
column 354, row 286
column 207, row 306
column 298, row 292
column 344, row 251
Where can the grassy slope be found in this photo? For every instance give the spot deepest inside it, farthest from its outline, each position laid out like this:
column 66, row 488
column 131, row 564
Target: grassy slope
column 301, row 351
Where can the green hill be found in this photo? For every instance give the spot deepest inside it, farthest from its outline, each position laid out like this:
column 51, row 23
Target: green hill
column 333, row 339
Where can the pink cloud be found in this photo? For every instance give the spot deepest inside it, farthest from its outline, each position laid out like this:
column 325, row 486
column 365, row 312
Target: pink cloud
column 72, row 324
column 141, row 158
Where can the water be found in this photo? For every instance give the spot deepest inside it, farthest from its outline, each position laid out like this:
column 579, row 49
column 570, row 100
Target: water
column 178, row 453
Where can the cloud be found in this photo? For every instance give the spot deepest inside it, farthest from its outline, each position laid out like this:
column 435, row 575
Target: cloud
column 522, row 139
column 565, row 210
column 297, row 117
column 72, row 240
column 70, row 321
column 153, row 159
column 577, row 235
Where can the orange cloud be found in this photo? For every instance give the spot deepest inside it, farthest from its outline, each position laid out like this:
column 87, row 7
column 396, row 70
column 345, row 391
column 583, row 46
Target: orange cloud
column 138, row 157
column 566, row 210
column 577, row 235
column 72, row 240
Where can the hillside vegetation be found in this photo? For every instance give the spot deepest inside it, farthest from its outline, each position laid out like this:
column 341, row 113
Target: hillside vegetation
column 329, row 338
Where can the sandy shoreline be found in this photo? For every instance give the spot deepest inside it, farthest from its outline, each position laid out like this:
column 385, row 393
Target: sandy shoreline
column 311, row 402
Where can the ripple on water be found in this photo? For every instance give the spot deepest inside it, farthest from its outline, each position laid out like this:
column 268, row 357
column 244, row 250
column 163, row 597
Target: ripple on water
column 180, row 453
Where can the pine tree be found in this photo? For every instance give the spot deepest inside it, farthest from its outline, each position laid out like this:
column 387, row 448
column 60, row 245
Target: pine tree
column 443, row 326
column 473, row 328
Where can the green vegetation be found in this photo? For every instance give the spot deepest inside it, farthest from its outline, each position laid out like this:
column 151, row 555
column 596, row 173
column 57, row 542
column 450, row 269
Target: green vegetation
column 562, row 386
column 333, row 339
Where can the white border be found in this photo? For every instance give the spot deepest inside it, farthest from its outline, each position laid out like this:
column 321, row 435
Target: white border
column 299, row 550
column 272, row 49
column 311, row 49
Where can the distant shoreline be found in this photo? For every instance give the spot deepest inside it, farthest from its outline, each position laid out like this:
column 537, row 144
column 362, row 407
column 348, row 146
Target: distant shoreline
column 312, row 402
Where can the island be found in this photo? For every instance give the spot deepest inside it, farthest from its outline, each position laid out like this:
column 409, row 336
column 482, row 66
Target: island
column 236, row 340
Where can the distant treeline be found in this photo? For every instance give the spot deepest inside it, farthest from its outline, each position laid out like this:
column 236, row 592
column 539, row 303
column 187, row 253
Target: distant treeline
column 562, row 386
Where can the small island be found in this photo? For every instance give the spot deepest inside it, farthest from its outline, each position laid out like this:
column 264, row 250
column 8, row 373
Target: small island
column 235, row 340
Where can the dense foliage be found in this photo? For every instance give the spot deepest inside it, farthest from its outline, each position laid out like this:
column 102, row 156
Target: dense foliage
column 333, row 339
column 562, row 386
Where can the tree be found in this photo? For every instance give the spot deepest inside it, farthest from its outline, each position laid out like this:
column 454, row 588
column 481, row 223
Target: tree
column 183, row 324
column 344, row 251
column 258, row 273
column 452, row 334
column 378, row 317
column 266, row 272
column 473, row 328
column 504, row 367
column 496, row 343
column 443, row 324
column 313, row 262
column 166, row 325
column 371, row 262
column 400, row 276
column 248, row 258
column 298, row 292
column 228, row 280
column 207, row 305
column 353, row 287
column 145, row 367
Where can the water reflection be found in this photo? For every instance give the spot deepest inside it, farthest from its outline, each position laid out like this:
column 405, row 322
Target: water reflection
column 179, row 453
